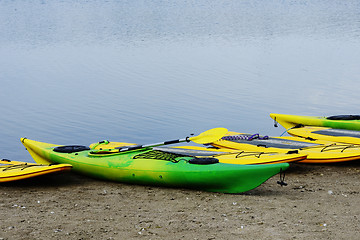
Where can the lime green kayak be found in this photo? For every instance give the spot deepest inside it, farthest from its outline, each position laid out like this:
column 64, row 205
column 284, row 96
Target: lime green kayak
column 351, row 122
column 147, row 166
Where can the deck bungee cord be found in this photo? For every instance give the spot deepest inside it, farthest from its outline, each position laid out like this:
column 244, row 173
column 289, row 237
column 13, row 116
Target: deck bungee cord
column 7, row 167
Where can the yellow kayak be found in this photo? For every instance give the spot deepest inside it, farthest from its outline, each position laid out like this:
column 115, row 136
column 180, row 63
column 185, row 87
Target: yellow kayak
column 329, row 134
column 14, row 170
column 224, row 155
column 318, row 151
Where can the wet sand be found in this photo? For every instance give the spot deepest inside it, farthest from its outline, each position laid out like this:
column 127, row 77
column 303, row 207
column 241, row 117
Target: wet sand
column 320, row 202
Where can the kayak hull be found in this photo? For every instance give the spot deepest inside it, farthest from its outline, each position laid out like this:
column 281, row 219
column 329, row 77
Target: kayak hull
column 141, row 167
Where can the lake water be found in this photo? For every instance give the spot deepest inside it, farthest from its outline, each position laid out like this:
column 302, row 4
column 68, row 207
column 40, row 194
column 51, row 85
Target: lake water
column 77, row 72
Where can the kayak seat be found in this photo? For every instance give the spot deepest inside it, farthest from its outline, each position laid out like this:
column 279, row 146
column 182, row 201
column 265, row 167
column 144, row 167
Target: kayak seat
column 71, row 149
column 203, row 161
column 344, row 117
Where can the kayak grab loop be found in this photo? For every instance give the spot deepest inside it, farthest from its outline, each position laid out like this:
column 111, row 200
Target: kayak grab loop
column 275, row 122
column 71, row 148
column 100, row 143
column 282, row 178
column 245, row 137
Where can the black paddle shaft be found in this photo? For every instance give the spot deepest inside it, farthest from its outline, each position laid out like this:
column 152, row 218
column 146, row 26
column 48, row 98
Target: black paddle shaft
column 153, row 145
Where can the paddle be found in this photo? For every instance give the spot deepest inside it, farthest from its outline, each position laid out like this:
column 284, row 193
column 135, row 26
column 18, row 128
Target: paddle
column 208, row 136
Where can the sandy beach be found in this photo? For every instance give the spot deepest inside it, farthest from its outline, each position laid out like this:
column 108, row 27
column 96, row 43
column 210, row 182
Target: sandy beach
column 320, row 202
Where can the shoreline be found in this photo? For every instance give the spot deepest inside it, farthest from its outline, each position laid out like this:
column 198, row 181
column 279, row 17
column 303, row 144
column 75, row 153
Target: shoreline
column 320, row 201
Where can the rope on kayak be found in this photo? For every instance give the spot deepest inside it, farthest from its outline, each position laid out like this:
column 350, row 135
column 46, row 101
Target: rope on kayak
column 244, row 137
column 276, row 125
column 282, row 178
column 335, row 146
column 160, row 155
column 284, row 132
column 350, row 146
column 256, row 154
column 8, row 167
column 175, row 157
column 297, row 126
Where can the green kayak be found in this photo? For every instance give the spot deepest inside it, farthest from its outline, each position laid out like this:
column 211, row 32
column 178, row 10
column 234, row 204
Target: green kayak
column 147, row 166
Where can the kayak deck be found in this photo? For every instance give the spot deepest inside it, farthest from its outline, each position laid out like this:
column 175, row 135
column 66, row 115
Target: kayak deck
column 318, row 151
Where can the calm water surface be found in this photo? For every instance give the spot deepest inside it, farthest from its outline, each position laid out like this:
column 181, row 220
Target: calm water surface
column 76, row 72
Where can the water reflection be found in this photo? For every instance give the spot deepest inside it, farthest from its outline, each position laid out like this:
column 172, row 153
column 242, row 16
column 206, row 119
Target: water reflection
column 123, row 22
column 75, row 72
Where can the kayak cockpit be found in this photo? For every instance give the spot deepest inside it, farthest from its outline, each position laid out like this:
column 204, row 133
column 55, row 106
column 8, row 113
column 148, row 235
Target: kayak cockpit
column 344, row 117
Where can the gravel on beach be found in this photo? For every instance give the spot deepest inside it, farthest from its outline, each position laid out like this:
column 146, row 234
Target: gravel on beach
column 319, row 202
